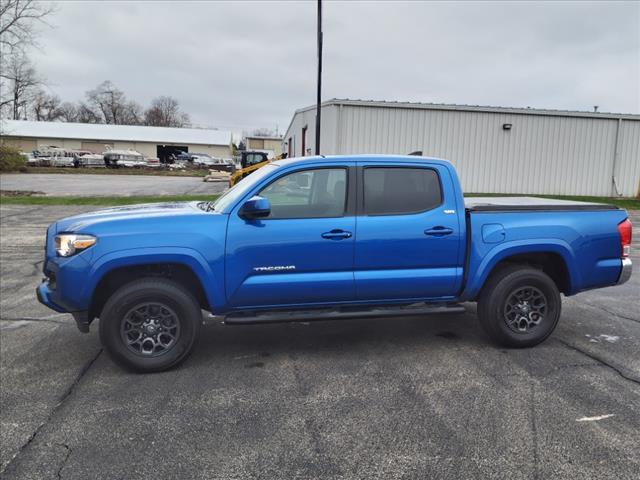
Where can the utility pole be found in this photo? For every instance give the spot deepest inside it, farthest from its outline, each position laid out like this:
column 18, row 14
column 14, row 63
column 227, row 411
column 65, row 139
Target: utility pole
column 318, row 96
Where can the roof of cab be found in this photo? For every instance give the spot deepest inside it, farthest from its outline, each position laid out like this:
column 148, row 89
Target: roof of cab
column 375, row 157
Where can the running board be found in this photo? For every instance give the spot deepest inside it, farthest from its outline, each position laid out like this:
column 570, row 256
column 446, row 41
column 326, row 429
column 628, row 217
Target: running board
column 278, row 316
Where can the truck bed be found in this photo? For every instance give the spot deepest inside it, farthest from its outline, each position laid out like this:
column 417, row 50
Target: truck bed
column 511, row 204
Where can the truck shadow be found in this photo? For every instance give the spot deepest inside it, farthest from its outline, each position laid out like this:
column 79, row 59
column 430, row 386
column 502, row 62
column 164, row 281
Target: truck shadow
column 220, row 342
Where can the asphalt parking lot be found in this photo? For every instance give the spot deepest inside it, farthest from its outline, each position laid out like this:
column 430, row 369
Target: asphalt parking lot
column 390, row 398
column 80, row 184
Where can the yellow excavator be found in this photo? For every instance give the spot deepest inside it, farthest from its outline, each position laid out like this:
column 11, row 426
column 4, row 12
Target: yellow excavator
column 250, row 161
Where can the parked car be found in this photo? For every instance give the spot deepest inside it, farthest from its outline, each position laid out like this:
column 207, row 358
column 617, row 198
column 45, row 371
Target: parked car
column 154, row 163
column 61, row 161
column 49, row 151
column 124, row 158
column 89, row 160
column 52, row 156
column 212, row 163
column 328, row 238
column 181, row 156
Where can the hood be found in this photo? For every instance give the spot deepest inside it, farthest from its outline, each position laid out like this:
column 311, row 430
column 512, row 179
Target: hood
column 130, row 213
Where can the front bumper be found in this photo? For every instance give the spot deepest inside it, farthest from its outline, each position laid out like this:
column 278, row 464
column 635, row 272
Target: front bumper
column 43, row 292
column 625, row 273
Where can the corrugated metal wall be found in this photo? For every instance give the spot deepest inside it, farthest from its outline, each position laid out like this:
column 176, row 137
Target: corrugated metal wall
column 330, row 124
column 541, row 154
column 628, row 164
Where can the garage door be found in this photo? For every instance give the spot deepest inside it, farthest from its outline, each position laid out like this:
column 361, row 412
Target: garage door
column 23, row 144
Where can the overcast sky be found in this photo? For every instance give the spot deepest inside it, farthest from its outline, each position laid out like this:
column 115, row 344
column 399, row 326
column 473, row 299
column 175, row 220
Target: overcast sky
column 242, row 65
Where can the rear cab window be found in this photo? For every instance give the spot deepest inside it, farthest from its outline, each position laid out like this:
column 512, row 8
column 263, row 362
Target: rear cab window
column 400, row 190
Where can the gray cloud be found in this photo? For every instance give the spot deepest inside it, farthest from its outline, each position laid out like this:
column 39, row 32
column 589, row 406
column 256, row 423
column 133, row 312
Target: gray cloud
column 251, row 64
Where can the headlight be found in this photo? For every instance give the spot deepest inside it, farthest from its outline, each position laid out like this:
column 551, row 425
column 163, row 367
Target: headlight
column 68, row 244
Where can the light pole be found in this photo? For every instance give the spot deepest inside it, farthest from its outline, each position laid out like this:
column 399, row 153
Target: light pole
column 318, row 94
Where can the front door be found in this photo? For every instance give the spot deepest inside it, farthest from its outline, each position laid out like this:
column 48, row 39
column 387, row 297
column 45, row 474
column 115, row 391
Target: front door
column 408, row 238
column 303, row 252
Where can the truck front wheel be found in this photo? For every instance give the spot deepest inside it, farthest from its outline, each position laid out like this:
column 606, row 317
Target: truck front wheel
column 150, row 325
column 519, row 306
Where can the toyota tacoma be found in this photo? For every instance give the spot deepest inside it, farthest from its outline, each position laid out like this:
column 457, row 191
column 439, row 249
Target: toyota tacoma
column 328, row 238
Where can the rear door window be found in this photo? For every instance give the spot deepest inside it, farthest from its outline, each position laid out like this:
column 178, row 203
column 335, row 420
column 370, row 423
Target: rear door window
column 400, row 190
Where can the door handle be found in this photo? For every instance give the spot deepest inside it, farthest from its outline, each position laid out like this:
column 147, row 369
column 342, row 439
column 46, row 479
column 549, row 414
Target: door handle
column 336, row 234
column 438, row 231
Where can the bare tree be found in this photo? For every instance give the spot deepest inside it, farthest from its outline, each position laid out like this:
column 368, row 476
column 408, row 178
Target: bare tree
column 68, row 112
column 263, row 132
column 17, row 22
column 107, row 101
column 86, row 114
column 46, row 107
column 20, row 84
column 132, row 114
column 165, row 112
column 78, row 113
column 111, row 105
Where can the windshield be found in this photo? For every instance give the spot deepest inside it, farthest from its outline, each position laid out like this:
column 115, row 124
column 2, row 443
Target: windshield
column 240, row 188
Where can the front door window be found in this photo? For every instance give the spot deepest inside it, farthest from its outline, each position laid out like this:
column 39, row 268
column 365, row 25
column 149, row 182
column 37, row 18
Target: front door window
column 319, row 193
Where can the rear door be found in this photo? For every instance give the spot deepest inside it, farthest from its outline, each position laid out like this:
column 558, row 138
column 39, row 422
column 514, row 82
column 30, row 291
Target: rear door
column 407, row 236
column 303, row 252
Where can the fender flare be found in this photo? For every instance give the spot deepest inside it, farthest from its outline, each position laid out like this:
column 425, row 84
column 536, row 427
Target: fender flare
column 509, row 249
column 142, row 256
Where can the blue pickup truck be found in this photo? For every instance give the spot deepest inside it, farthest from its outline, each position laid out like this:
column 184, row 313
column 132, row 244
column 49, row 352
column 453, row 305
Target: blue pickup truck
column 328, row 238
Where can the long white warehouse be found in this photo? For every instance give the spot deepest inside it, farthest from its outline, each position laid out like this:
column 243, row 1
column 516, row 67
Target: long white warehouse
column 97, row 138
column 495, row 149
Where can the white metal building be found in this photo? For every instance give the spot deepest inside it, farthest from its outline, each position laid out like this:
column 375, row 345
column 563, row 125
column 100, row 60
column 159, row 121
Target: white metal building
column 270, row 145
column 495, row 149
column 149, row 141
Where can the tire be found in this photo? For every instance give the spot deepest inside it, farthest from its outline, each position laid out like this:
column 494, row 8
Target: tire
column 138, row 310
column 519, row 306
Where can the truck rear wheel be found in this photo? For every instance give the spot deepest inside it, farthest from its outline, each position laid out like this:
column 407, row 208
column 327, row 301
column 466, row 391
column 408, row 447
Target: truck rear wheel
column 519, row 306
column 150, row 325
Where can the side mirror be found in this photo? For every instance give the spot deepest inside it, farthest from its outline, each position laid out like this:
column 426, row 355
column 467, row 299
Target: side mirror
column 255, row 207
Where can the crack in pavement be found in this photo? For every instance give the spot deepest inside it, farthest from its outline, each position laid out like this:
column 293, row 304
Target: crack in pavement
column 66, row 458
column 310, row 424
column 617, row 315
column 610, row 312
column 19, row 213
column 546, row 373
column 34, row 319
column 534, row 431
column 601, row 361
column 54, row 411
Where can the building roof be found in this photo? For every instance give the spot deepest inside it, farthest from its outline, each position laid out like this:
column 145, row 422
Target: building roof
column 472, row 108
column 262, row 137
column 121, row 133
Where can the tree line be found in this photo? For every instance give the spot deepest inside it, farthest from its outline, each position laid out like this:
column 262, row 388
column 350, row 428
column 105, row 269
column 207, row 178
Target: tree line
column 109, row 105
column 23, row 94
